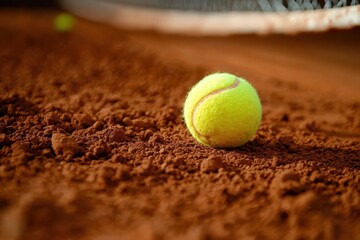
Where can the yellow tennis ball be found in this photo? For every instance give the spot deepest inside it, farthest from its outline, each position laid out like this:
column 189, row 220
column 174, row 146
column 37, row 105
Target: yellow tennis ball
column 222, row 110
column 64, row 22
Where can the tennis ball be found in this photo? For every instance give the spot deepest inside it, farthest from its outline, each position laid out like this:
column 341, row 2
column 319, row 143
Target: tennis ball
column 222, row 110
column 64, row 22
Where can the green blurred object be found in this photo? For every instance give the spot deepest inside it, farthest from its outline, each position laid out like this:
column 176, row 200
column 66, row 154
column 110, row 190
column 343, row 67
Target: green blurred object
column 64, row 22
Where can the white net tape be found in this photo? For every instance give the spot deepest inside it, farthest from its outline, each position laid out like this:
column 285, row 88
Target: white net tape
column 332, row 15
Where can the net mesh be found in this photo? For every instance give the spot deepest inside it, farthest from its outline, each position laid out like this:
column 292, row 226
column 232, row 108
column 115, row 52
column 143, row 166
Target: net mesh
column 241, row 5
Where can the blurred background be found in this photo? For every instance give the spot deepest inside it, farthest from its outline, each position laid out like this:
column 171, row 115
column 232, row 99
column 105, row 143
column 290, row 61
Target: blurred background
column 316, row 59
column 29, row 3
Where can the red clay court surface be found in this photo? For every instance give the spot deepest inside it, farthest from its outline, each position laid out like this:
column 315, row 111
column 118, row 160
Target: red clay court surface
column 93, row 144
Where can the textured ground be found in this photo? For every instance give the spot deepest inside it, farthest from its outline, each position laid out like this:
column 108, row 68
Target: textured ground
column 93, row 145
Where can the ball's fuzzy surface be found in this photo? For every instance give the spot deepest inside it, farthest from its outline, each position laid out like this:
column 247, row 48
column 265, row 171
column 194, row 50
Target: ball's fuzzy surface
column 64, row 22
column 222, row 110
